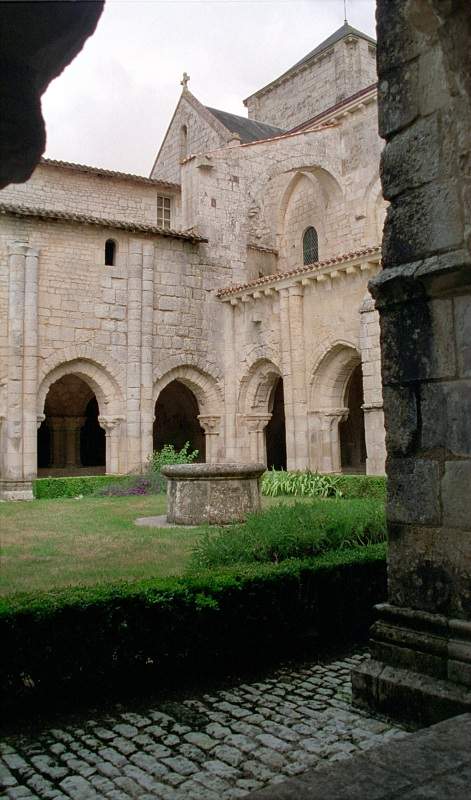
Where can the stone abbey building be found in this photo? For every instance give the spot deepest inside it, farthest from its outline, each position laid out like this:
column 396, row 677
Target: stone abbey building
column 223, row 300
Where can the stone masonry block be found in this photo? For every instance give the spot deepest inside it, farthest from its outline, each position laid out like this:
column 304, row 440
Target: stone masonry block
column 411, row 158
column 417, row 340
column 398, row 100
column 446, row 415
column 401, row 422
column 427, row 220
column 456, row 494
column 463, row 334
column 413, row 491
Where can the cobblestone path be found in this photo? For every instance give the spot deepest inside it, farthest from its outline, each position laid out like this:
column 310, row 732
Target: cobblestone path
column 210, row 747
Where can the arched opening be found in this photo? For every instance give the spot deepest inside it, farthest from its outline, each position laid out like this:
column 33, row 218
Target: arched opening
column 310, row 246
column 183, row 142
column 110, row 253
column 275, row 432
column 176, row 419
column 352, row 429
column 70, row 439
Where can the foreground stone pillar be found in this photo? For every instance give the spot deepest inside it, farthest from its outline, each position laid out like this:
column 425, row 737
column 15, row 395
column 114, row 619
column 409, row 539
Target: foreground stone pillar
column 212, row 493
column 421, row 644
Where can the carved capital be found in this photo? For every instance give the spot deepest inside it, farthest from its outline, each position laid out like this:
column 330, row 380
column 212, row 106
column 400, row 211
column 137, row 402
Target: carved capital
column 109, row 423
column 257, row 422
column 40, row 419
column 210, row 423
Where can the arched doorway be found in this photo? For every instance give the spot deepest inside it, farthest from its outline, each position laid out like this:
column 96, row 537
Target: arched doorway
column 70, row 438
column 352, row 429
column 176, row 419
column 275, row 432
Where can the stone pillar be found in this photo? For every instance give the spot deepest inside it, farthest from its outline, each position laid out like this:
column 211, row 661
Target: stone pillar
column 134, row 365
column 111, row 425
column 256, row 424
column 147, row 406
column 298, row 376
column 57, row 431
column 372, row 390
column 325, row 439
column 211, row 425
column 286, row 370
column 19, row 435
column 421, row 643
column 71, row 436
column 232, row 442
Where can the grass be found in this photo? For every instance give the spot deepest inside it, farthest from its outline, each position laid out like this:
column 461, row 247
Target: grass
column 51, row 544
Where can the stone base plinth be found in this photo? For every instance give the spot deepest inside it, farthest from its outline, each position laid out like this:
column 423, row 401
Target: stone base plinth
column 16, row 490
column 420, row 668
column 212, row 493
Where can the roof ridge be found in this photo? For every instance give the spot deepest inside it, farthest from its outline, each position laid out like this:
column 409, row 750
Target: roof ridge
column 53, row 162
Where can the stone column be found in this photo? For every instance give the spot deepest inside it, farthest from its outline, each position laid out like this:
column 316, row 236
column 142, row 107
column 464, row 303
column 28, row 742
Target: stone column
column 72, row 427
column 324, row 425
column 286, row 370
column 57, row 430
column 372, row 390
column 30, row 366
column 211, row 425
column 298, row 376
column 421, row 643
column 147, row 410
column 111, row 425
column 134, row 365
column 256, row 424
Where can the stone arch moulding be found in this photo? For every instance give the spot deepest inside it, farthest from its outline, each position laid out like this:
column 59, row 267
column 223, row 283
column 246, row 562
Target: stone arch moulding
column 331, row 374
column 94, row 355
column 204, row 386
column 375, row 209
column 256, row 386
column 105, row 386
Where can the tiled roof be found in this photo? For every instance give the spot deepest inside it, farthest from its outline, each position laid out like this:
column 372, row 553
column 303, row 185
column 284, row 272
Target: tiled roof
column 280, row 276
column 11, row 209
column 249, row 130
column 108, row 173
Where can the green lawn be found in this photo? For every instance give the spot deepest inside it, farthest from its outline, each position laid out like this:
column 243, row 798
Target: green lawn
column 49, row 544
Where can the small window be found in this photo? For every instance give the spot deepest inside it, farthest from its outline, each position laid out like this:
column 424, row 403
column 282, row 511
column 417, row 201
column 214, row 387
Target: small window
column 183, row 142
column 163, row 211
column 110, row 253
column 310, row 246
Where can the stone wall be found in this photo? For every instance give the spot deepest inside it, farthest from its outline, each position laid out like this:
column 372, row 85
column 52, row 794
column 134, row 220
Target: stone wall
column 422, row 641
column 87, row 192
column 336, row 73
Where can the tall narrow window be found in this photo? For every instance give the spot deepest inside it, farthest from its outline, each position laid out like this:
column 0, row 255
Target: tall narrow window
column 110, row 252
column 163, row 211
column 183, row 142
column 310, row 246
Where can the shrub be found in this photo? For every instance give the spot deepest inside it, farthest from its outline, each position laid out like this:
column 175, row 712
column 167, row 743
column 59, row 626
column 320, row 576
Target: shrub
column 312, row 484
column 304, row 484
column 297, row 531
column 51, row 488
column 152, row 482
column 83, row 641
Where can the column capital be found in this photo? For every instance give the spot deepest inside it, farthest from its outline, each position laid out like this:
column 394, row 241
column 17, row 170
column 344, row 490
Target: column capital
column 40, row 419
column 257, row 422
column 109, row 423
column 210, row 423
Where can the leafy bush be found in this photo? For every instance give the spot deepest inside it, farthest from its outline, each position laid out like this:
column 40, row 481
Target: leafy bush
column 152, row 482
column 302, row 530
column 78, row 642
column 374, row 486
column 51, row 488
column 301, row 484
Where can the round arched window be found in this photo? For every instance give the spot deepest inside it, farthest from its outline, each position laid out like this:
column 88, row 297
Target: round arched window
column 310, row 246
column 110, row 253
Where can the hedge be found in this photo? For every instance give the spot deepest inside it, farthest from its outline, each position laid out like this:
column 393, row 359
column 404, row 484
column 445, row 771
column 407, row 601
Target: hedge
column 52, row 488
column 373, row 486
column 105, row 639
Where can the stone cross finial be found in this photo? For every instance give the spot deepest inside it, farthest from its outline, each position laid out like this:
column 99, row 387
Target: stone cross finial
column 184, row 81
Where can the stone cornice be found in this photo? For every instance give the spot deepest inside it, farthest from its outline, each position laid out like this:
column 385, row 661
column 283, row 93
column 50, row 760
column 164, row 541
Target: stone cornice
column 349, row 263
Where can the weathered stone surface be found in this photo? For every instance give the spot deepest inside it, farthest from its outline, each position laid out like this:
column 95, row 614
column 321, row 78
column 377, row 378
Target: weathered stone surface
column 214, row 493
column 456, row 494
column 413, row 491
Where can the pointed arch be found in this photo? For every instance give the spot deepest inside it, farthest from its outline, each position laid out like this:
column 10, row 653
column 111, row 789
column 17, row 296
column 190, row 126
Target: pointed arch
column 203, row 385
column 331, row 374
column 256, row 387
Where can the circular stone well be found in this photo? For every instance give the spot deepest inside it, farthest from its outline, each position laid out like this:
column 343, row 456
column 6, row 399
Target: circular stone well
column 214, row 493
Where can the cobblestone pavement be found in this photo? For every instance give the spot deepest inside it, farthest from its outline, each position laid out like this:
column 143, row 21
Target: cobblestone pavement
column 210, row 747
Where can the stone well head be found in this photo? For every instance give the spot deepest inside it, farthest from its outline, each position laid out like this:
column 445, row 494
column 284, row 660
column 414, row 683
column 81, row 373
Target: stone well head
column 212, row 493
